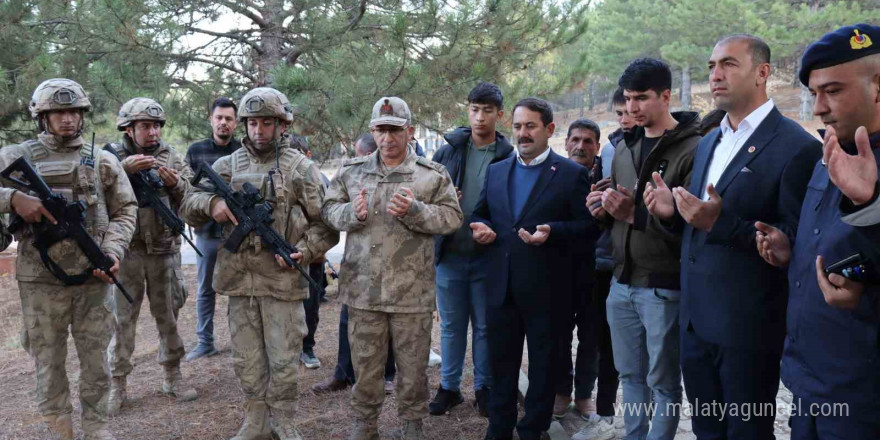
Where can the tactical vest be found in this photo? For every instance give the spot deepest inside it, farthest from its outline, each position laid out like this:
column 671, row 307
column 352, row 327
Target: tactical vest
column 150, row 231
column 74, row 174
column 289, row 219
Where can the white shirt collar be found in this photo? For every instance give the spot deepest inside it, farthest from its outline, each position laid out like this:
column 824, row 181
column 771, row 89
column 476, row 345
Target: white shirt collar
column 536, row 161
column 751, row 122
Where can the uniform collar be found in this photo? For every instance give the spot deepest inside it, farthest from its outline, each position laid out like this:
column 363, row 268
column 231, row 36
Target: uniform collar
column 58, row 143
column 374, row 166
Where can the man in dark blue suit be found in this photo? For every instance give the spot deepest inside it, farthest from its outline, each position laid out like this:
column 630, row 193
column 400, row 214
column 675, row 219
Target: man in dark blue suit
column 531, row 208
column 755, row 167
column 831, row 350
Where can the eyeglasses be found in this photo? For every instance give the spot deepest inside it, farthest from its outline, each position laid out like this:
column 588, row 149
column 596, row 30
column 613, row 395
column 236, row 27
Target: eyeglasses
column 385, row 130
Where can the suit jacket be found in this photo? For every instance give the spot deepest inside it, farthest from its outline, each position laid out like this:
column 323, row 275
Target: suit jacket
column 538, row 277
column 730, row 295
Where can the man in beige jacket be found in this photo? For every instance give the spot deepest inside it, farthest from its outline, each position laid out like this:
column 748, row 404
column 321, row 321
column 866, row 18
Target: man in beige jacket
column 391, row 203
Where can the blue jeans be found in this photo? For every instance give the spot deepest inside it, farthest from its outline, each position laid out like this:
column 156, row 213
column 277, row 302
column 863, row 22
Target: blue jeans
column 206, row 297
column 645, row 340
column 461, row 299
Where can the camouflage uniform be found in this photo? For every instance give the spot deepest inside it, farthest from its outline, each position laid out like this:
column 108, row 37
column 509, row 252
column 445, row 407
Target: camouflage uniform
column 152, row 266
column 266, row 316
column 387, row 274
column 48, row 306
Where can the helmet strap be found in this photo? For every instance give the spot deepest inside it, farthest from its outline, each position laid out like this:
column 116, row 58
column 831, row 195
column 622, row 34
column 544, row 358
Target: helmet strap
column 43, row 125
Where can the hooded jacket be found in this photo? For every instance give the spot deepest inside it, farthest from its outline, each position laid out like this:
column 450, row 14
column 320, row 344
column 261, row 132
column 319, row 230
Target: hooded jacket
column 647, row 253
column 453, row 155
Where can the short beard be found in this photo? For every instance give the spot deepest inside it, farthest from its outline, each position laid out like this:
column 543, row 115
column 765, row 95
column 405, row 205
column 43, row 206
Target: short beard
column 224, row 137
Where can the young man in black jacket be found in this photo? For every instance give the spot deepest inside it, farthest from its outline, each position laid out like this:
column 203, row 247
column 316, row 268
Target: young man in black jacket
column 221, row 143
column 461, row 265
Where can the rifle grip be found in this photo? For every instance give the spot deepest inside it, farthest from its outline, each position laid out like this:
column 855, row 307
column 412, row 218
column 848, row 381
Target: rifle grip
column 233, row 242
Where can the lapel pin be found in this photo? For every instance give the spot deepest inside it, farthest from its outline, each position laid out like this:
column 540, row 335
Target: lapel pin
column 553, row 168
column 751, row 149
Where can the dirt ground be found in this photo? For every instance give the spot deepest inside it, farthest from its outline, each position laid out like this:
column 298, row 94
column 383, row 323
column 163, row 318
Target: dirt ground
column 217, row 413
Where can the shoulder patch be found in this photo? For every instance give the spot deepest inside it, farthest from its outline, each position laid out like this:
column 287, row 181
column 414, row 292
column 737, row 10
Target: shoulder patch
column 355, row 161
column 428, row 163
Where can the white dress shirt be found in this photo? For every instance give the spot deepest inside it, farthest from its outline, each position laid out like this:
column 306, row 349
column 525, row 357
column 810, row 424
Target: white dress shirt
column 732, row 142
column 536, row 161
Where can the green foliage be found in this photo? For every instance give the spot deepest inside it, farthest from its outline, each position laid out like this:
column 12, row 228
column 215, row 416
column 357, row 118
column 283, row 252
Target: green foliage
column 334, row 58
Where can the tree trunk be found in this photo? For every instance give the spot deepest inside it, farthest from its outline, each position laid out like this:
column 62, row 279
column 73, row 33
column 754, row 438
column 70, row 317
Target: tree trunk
column 686, row 87
column 592, row 91
column 271, row 42
column 806, row 111
column 795, row 81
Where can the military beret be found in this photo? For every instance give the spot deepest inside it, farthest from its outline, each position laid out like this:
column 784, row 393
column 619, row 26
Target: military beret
column 846, row 44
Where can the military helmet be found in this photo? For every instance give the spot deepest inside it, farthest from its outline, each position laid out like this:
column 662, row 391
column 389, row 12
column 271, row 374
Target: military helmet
column 265, row 102
column 58, row 94
column 139, row 109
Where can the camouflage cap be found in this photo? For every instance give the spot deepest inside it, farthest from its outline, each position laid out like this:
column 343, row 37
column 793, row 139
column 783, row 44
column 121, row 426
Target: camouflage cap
column 390, row 110
column 265, row 102
column 139, row 109
column 58, row 94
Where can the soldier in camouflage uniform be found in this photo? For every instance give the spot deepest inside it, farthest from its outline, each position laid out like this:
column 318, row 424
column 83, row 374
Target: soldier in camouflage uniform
column 391, row 203
column 152, row 265
column 266, row 315
column 79, row 172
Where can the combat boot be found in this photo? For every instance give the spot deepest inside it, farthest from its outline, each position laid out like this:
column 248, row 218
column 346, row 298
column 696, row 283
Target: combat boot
column 412, row 430
column 364, row 430
column 117, row 396
column 283, row 425
column 60, row 426
column 255, row 426
column 96, row 430
column 174, row 385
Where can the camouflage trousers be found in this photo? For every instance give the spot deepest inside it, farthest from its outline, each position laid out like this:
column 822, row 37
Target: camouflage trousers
column 47, row 311
column 159, row 278
column 266, row 335
column 410, row 335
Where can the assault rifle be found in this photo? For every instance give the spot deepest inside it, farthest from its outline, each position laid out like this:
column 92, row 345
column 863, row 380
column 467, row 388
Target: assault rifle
column 254, row 214
column 70, row 217
column 146, row 185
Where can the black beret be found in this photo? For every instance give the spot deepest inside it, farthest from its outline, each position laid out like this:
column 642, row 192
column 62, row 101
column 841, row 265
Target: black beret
column 846, row 44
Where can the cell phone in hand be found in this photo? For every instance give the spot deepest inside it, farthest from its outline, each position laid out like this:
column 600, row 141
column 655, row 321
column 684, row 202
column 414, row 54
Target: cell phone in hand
column 853, row 268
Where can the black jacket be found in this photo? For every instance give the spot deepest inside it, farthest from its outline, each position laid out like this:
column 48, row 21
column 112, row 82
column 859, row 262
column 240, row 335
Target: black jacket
column 453, row 155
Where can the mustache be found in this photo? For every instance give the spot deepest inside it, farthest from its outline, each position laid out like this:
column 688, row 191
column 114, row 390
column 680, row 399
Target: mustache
column 524, row 139
column 579, row 153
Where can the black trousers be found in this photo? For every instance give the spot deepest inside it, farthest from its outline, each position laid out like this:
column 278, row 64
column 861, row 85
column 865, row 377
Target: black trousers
column 606, row 395
column 313, row 304
column 745, row 380
column 344, row 369
column 584, row 369
column 509, row 326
